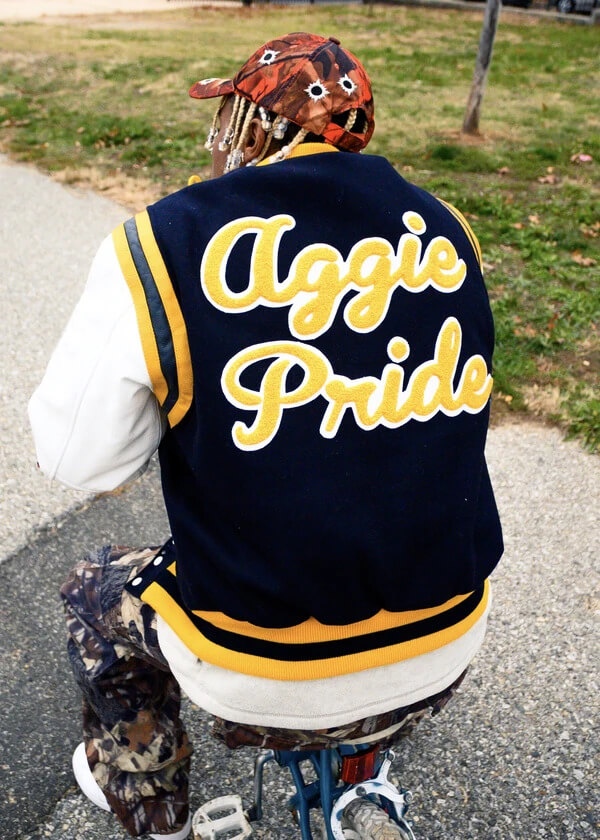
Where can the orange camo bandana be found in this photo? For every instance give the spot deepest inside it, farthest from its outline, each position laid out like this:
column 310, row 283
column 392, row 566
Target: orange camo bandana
column 309, row 80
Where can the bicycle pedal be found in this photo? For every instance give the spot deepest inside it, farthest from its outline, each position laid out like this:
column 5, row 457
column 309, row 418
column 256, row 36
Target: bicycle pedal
column 220, row 817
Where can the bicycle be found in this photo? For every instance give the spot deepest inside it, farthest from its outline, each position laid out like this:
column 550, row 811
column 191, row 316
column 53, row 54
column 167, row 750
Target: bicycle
column 352, row 792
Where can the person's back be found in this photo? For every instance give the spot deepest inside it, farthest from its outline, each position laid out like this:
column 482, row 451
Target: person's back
column 318, row 337
column 340, row 462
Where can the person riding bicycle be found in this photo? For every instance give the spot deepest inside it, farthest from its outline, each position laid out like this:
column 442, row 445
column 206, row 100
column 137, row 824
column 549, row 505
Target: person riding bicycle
column 307, row 340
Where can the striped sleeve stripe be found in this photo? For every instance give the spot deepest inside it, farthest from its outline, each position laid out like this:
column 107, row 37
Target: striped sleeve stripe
column 467, row 229
column 160, row 321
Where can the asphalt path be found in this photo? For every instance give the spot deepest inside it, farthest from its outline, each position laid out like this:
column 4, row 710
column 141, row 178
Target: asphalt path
column 515, row 754
column 48, row 237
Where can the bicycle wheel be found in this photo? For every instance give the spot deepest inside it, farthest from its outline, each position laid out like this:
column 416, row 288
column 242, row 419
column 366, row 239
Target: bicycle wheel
column 367, row 821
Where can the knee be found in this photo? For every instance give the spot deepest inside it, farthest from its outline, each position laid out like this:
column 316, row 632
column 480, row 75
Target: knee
column 87, row 582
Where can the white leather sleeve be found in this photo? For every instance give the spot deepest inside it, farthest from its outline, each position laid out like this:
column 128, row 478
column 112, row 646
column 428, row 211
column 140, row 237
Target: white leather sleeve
column 95, row 420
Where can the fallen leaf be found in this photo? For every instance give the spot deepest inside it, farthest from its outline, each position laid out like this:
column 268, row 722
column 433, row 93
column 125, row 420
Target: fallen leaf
column 586, row 362
column 590, row 233
column 581, row 157
column 487, row 266
column 550, row 169
column 528, row 331
column 408, row 168
column 534, row 219
column 504, row 170
column 548, row 179
column 577, row 257
column 472, row 216
column 518, row 225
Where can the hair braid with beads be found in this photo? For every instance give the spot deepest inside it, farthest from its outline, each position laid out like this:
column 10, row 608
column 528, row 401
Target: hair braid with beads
column 238, row 131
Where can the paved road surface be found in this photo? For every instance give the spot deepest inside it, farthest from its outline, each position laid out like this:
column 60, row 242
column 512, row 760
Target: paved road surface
column 48, row 237
column 12, row 10
column 515, row 755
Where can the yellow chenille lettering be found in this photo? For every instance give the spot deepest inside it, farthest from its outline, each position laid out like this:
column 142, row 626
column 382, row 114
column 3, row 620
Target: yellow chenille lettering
column 343, row 393
column 390, row 413
column 272, row 398
column 319, row 277
column 414, row 222
column 263, row 269
column 372, row 401
column 475, row 385
column 430, row 386
column 316, row 272
column 409, row 254
column 370, row 268
column 441, row 268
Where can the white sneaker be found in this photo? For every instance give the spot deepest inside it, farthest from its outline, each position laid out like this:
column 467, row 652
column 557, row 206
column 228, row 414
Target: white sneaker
column 93, row 791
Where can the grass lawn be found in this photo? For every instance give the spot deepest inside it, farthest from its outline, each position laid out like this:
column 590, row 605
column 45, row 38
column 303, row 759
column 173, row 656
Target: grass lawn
column 102, row 101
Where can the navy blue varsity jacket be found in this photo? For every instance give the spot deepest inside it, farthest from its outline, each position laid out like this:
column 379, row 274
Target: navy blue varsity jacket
column 319, row 336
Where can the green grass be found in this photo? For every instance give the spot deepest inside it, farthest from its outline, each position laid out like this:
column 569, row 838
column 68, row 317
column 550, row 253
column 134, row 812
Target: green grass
column 105, row 102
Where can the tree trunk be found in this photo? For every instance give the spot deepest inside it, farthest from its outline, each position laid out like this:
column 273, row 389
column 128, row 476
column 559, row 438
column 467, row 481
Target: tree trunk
column 482, row 65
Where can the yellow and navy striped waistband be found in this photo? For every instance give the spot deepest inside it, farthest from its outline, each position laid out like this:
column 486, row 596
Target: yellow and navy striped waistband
column 310, row 650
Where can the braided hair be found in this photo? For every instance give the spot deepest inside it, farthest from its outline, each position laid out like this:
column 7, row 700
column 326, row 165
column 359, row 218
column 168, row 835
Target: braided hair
column 276, row 127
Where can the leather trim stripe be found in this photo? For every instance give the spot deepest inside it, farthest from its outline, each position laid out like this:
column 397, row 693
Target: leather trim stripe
column 183, row 360
column 160, row 322
column 148, row 338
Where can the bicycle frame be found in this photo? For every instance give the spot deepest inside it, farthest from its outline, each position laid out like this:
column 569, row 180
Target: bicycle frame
column 328, row 789
column 342, row 775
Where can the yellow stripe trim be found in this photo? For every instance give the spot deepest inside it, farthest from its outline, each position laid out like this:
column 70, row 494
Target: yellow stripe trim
column 257, row 666
column 312, row 630
column 467, row 229
column 302, row 150
column 167, row 294
column 149, row 346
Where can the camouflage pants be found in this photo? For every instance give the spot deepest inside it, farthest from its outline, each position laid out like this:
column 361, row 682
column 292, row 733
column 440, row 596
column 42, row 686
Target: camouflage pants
column 136, row 745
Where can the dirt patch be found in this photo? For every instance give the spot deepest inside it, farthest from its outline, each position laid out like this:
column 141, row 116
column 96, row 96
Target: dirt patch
column 133, row 193
column 543, row 400
column 169, row 16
